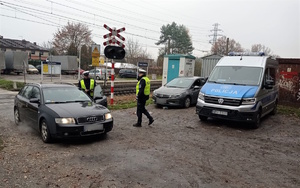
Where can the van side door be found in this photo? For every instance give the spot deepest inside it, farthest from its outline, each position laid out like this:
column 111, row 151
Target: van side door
column 267, row 93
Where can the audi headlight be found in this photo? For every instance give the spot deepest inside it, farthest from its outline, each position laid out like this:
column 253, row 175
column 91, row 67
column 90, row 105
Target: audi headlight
column 201, row 96
column 249, row 101
column 108, row 116
column 65, row 120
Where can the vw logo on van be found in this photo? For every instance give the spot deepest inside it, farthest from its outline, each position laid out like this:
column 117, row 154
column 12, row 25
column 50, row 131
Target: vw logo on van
column 220, row 101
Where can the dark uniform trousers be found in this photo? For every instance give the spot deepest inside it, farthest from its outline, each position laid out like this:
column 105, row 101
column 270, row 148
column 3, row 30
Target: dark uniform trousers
column 142, row 110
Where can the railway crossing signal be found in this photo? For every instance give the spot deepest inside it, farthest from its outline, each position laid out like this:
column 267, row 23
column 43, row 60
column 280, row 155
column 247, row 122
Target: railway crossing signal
column 114, row 52
column 112, row 36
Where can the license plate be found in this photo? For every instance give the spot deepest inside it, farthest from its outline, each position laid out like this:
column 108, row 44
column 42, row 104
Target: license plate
column 94, row 127
column 161, row 101
column 218, row 112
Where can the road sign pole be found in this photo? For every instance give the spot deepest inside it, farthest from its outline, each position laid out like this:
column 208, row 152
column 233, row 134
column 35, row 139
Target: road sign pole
column 112, row 82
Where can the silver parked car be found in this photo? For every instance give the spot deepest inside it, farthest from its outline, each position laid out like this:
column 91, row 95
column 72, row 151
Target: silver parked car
column 181, row 91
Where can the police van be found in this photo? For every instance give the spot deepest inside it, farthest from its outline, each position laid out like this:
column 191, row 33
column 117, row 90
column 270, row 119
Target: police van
column 241, row 87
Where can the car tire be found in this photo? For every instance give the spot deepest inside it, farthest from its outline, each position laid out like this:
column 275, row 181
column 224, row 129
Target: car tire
column 158, row 105
column 274, row 111
column 17, row 116
column 45, row 133
column 97, row 78
column 257, row 123
column 203, row 118
column 187, row 102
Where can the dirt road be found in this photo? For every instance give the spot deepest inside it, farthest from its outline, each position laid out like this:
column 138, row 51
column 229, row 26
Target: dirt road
column 177, row 151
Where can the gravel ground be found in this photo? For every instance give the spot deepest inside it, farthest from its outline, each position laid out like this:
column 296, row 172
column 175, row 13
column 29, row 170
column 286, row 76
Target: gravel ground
column 177, row 151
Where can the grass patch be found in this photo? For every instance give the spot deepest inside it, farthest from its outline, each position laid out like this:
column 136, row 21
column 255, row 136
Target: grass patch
column 287, row 110
column 124, row 104
column 9, row 85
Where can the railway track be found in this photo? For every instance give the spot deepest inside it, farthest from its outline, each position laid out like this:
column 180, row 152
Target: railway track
column 126, row 88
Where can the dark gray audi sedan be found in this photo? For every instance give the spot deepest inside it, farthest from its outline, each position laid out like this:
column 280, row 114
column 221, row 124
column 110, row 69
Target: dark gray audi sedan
column 62, row 110
column 181, row 91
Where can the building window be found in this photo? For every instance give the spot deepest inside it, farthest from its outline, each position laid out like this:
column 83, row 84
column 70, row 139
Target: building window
column 41, row 53
column 32, row 52
column 3, row 49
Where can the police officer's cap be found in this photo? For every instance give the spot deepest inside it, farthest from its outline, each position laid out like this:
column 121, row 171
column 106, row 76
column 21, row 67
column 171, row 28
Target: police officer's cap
column 142, row 71
column 86, row 73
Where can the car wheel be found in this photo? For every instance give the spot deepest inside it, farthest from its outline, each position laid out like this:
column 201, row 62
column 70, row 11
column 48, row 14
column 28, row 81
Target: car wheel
column 203, row 118
column 158, row 105
column 17, row 116
column 274, row 111
column 257, row 122
column 45, row 134
column 187, row 102
column 97, row 78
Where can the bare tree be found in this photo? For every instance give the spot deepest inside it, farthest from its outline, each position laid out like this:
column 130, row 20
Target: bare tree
column 49, row 46
column 135, row 53
column 261, row 48
column 221, row 44
column 71, row 36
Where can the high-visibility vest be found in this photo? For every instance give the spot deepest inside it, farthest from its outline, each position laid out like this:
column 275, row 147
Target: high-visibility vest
column 147, row 87
column 92, row 85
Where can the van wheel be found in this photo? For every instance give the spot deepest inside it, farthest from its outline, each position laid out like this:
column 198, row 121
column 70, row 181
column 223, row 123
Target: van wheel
column 203, row 118
column 187, row 102
column 274, row 111
column 257, row 122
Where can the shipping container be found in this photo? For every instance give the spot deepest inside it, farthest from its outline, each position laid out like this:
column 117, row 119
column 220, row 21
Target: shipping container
column 16, row 62
column 2, row 61
column 289, row 82
column 69, row 64
column 208, row 64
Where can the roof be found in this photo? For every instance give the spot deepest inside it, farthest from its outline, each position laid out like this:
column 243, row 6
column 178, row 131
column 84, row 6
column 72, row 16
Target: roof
column 178, row 56
column 190, row 77
column 52, row 85
column 20, row 44
column 121, row 65
column 289, row 60
column 212, row 56
column 250, row 61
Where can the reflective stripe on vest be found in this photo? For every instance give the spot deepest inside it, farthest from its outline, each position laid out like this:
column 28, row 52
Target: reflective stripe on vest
column 147, row 86
column 92, row 85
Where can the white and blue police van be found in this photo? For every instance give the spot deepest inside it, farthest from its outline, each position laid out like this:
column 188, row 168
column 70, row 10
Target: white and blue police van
column 241, row 87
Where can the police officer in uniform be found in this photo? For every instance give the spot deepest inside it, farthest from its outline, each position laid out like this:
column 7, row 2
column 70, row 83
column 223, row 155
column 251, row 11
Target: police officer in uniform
column 87, row 84
column 142, row 95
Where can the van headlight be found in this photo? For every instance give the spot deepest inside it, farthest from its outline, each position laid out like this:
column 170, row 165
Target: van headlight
column 201, row 96
column 108, row 116
column 249, row 101
column 65, row 120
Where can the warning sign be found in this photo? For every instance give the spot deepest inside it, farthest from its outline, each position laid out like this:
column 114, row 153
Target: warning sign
column 95, row 55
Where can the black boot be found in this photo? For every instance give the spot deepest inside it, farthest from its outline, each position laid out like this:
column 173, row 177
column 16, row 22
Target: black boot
column 137, row 125
column 151, row 121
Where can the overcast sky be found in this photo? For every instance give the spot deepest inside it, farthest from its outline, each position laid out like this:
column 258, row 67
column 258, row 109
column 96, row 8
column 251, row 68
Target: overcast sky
column 273, row 23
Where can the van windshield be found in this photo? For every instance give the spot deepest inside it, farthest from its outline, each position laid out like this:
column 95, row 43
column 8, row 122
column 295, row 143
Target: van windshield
column 239, row 75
